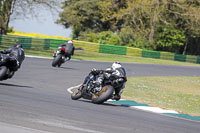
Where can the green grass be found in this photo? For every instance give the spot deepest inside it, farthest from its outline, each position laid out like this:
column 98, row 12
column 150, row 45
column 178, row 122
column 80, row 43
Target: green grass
column 79, row 55
column 178, row 93
column 39, row 53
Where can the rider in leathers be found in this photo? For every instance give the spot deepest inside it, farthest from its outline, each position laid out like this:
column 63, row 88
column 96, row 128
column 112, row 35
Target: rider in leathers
column 117, row 73
column 16, row 54
column 69, row 47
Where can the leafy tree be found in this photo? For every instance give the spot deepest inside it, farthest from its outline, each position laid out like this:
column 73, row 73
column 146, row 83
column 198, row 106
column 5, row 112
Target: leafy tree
column 170, row 39
column 84, row 14
column 142, row 43
column 92, row 15
column 92, row 37
column 127, row 36
column 115, row 40
column 184, row 15
column 105, row 37
column 102, row 37
column 21, row 8
column 109, row 11
column 193, row 47
column 76, row 29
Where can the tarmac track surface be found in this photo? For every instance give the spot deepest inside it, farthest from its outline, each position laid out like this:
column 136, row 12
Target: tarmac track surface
column 36, row 100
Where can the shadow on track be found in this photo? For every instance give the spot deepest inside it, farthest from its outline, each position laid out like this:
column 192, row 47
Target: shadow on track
column 5, row 84
column 103, row 104
column 69, row 68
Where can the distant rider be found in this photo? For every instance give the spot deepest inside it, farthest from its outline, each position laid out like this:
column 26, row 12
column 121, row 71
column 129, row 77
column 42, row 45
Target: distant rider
column 118, row 75
column 69, row 47
column 16, row 54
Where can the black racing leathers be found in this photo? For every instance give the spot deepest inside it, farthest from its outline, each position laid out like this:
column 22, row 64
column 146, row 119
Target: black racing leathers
column 15, row 54
column 69, row 47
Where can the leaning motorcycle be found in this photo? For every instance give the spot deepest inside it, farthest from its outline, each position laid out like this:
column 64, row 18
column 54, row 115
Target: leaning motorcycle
column 59, row 57
column 97, row 94
column 8, row 67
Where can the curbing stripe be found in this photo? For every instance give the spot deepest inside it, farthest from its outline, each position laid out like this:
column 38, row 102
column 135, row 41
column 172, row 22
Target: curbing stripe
column 155, row 109
column 128, row 103
column 185, row 116
column 158, row 110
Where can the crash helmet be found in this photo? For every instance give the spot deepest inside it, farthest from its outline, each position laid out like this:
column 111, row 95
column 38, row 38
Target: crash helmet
column 70, row 41
column 18, row 45
column 116, row 65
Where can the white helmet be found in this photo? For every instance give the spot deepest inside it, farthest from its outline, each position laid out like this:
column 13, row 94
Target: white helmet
column 116, row 65
column 70, row 41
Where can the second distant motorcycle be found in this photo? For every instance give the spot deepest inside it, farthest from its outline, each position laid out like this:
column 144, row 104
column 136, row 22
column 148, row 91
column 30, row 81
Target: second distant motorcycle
column 63, row 53
column 59, row 57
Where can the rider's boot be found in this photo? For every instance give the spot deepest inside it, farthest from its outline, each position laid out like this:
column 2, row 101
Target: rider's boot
column 116, row 97
column 54, row 54
column 66, row 59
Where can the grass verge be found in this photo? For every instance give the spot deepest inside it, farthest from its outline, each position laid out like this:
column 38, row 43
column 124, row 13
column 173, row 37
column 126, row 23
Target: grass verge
column 80, row 55
column 178, row 93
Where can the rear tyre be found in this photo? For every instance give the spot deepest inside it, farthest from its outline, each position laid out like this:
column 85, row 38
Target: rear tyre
column 105, row 94
column 3, row 71
column 56, row 60
column 76, row 94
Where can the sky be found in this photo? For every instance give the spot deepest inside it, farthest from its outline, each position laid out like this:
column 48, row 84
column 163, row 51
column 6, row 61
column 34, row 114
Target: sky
column 44, row 24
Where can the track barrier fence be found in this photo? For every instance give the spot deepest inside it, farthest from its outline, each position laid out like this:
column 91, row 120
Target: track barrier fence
column 48, row 45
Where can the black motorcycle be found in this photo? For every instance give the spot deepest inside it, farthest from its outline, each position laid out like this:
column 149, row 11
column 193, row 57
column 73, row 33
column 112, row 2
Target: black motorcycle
column 59, row 57
column 97, row 94
column 8, row 67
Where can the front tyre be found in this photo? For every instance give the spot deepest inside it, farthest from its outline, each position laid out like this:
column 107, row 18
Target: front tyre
column 3, row 71
column 76, row 94
column 59, row 64
column 56, row 60
column 105, row 94
column 11, row 74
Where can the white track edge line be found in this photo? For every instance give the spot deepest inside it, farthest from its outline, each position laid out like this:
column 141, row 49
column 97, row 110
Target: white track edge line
column 70, row 89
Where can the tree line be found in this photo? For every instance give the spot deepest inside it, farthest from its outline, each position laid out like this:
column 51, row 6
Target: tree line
column 164, row 25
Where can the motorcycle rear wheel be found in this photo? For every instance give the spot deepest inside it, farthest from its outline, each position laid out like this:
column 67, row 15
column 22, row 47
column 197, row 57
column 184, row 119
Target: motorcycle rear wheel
column 105, row 94
column 56, row 60
column 3, row 71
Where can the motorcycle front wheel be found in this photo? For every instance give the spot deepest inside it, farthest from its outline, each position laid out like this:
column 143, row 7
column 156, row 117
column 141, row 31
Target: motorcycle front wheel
column 56, row 60
column 3, row 71
column 76, row 94
column 105, row 94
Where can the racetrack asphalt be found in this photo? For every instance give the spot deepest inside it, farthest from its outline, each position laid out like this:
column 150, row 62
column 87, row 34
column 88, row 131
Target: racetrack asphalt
column 36, row 100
